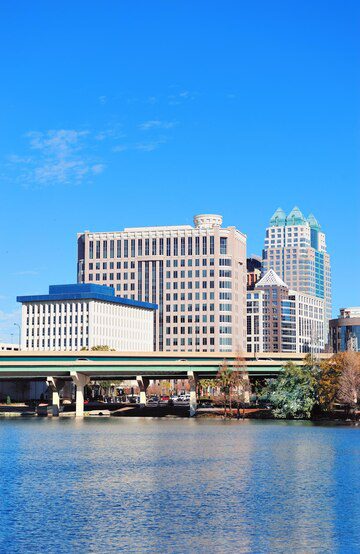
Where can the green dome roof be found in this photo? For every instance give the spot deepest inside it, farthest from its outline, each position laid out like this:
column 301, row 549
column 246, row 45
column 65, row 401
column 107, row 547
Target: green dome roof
column 313, row 222
column 278, row 218
column 295, row 217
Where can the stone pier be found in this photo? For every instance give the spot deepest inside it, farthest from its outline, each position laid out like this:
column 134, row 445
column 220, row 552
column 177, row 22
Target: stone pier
column 55, row 385
column 80, row 380
column 143, row 383
column 193, row 401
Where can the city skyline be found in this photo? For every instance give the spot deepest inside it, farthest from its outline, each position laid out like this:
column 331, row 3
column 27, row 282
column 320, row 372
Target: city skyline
column 124, row 123
column 8, row 332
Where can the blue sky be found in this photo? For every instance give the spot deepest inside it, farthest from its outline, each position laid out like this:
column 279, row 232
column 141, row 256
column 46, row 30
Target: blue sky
column 137, row 113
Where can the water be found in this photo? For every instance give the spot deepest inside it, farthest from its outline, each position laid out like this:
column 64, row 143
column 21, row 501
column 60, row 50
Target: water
column 136, row 485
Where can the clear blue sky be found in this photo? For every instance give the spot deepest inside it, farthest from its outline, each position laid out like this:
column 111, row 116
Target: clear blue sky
column 129, row 113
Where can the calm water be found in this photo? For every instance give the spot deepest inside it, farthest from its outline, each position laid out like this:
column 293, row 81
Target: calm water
column 138, row 485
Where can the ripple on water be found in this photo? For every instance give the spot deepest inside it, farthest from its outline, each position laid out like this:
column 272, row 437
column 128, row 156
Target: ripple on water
column 139, row 485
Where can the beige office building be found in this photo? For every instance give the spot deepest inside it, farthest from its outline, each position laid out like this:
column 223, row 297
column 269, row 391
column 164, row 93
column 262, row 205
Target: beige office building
column 196, row 276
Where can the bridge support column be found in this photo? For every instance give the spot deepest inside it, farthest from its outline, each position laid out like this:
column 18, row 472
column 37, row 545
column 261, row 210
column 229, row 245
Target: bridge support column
column 80, row 380
column 143, row 383
column 193, row 402
column 55, row 386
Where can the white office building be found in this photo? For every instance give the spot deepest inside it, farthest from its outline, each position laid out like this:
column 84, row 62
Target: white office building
column 72, row 317
column 283, row 320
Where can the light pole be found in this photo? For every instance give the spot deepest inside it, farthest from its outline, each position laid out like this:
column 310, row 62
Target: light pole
column 17, row 325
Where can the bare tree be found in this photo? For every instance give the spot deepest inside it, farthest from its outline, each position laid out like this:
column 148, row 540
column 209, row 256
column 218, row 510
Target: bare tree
column 243, row 388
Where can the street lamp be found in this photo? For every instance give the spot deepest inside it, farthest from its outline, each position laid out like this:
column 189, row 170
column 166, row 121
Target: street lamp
column 17, row 325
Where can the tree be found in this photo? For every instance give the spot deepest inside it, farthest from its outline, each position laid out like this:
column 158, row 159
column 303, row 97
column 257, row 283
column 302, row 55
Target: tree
column 328, row 383
column 349, row 380
column 204, row 385
column 243, row 386
column 227, row 379
column 293, row 393
column 99, row 348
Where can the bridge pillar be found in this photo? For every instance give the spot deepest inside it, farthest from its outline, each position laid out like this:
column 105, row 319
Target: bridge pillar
column 55, row 386
column 80, row 380
column 143, row 383
column 192, row 383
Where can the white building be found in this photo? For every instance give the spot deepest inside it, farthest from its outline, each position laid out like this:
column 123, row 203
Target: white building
column 72, row 317
column 283, row 320
column 295, row 248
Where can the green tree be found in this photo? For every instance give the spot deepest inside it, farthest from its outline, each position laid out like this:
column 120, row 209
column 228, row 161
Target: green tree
column 293, row 393
column 99, row 348
column 204, row 385
column 227, row 379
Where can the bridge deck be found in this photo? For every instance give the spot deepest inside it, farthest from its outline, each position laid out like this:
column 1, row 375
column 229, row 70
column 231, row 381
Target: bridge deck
column 156, row 365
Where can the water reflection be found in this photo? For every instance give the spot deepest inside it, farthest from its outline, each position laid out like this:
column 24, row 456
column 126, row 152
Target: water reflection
column 177, row 486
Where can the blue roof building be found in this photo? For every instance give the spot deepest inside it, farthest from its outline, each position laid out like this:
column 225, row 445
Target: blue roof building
column 74, row 317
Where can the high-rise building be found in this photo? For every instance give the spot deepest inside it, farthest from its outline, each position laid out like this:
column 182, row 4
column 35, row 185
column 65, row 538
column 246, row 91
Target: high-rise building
column 345, row 331
column 282, row 320
column 295, row 248
column 196, row 276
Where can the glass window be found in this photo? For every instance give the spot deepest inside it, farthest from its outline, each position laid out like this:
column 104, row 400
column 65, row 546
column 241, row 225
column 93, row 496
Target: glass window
column 204, row 246
column 190, row 251
column 223, row 245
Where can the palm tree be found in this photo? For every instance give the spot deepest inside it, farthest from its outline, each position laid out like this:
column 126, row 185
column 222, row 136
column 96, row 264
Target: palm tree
column 227, row 380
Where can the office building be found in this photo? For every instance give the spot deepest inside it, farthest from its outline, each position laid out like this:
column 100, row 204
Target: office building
column 295, row 248
column 72, row 317
column 253, row 268
column 282, row 320
column 196, row 275
column 345, row 331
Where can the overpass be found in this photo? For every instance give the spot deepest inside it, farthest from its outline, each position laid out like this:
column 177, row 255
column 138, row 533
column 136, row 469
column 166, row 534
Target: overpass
column 82, row 367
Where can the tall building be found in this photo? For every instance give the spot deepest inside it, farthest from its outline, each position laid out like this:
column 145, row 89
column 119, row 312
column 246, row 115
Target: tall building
column 345, row 331
column 72, row 317
column 282, row 320
column 253, row 268
column 196, row 276
column 295, row 248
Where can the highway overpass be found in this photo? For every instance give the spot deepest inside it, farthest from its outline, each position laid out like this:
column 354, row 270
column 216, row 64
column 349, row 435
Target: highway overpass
column 81, row 367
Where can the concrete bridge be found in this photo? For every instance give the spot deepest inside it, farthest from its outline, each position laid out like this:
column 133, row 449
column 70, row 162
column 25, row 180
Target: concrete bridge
column 57, row 368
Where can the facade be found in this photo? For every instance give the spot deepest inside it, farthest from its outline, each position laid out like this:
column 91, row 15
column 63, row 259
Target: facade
column 295, row 248
column 281, row 320
column 345, row 331
column 253, row 268
column 196, row 275
column 72, row 317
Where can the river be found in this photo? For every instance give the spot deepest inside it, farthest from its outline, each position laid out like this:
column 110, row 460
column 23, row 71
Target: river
column 178, row 486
